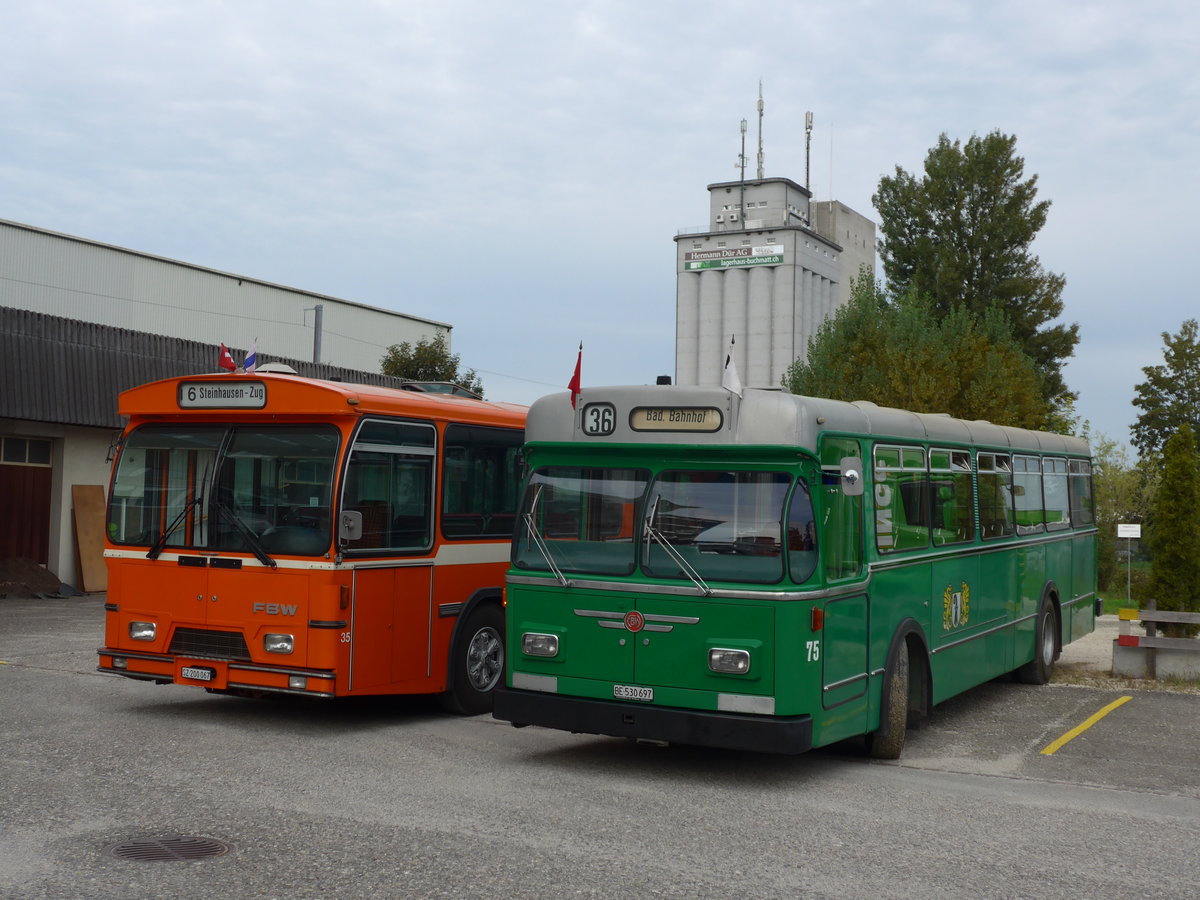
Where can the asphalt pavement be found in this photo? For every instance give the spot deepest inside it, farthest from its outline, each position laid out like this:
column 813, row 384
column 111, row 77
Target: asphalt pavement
column 391, row 797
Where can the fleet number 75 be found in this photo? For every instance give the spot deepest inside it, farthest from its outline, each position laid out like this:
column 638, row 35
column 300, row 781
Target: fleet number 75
column 814, row 650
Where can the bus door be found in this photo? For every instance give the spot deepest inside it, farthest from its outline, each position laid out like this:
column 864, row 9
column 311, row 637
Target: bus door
column 965, row 608
column 841, row 649
column 844, row 653
column 390, row 484
column 390, row 624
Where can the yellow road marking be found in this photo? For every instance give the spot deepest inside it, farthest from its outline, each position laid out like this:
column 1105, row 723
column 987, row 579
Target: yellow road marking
column 1083, row 726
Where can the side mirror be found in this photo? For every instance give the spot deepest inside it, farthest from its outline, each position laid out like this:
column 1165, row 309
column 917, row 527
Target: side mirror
column 852, row 481
column 350, row 527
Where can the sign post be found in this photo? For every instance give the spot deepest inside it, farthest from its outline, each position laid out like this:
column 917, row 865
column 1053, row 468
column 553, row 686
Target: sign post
column 1130, row 533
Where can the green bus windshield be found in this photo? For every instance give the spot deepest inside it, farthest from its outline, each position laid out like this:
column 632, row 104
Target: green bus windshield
column 580, row 519
column 726, row 525
column 718, row 524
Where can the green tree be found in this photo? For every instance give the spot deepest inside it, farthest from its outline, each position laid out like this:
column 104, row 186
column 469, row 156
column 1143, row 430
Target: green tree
column 900, row 353
column 961, row 234
column 428, row 360
column 1123, row 493
column 1169, row 398
column 1175, row 540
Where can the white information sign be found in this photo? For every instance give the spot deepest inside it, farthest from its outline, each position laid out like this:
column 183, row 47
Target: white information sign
column 1129, row 531
column 222, row 395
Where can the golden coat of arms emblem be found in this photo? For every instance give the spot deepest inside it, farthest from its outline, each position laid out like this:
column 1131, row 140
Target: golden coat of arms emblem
column 956, row 606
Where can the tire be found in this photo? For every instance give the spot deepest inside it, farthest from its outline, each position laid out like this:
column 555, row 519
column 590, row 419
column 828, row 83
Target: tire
column 887, row 740
column 1045, row 649
column 476, row 662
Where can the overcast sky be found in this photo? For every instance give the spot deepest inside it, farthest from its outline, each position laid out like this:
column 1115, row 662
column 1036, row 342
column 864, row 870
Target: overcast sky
column 519, row 170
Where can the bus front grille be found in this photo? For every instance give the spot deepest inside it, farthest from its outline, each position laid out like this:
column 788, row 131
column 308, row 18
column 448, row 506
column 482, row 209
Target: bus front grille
column 212, row 644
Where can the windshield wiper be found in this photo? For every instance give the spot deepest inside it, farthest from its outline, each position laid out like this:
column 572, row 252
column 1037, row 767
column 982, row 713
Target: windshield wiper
column 256, row 546
column 161, row 543
column 651, row 532
column 539, row 542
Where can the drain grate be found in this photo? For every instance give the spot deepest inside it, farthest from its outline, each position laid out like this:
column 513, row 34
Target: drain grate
column 173, row 848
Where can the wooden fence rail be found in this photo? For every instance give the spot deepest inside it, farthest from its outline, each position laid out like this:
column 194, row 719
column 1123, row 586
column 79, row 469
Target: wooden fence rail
column 1151, row 617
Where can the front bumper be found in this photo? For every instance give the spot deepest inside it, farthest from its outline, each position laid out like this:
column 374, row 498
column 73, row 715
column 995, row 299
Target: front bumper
column 581, row 715
column 226, row 675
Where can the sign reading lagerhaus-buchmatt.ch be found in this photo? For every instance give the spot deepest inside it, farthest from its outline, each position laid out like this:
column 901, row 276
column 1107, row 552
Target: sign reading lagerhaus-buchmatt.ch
column 726, row 257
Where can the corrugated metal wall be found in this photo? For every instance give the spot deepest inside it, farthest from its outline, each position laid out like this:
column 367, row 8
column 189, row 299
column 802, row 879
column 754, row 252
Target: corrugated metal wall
column 80, row 279
column 61, row 370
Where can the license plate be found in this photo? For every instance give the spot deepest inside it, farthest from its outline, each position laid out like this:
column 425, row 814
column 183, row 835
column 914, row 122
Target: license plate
column 198, row 673
column 629, row 692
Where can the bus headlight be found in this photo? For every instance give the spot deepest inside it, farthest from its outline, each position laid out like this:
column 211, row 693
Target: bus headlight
column 729, row 662
column 278, row 643
column 143, row 631
column 534, row 644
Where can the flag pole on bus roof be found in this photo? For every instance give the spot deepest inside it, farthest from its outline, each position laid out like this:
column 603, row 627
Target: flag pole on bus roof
column 573, row 384
column 729, row 378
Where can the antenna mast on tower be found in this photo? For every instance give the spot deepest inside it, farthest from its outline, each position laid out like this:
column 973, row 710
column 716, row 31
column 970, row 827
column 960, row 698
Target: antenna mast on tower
column 760, row 124
column 808, row 125
column 742, row 166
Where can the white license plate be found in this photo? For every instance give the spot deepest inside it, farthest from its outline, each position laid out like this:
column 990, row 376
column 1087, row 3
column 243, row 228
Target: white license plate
column 198, row 673
column 629, row 692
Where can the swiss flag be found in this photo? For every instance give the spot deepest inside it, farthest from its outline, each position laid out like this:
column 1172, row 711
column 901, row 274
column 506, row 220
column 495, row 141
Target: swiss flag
column 226, row 360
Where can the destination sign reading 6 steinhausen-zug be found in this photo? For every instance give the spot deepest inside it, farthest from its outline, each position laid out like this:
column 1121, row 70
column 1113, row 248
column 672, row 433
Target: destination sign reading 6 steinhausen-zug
column 222, row 395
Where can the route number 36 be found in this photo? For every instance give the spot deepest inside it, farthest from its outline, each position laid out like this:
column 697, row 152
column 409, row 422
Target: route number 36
column 599, row 419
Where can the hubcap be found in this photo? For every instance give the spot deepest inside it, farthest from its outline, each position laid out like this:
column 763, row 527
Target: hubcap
column 1048, row 640
column 485, row 659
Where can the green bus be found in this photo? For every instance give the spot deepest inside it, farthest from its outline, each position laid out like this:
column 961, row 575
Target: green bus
column 775, row 573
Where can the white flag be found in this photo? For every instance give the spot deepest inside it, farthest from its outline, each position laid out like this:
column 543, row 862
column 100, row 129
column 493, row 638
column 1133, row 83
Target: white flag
column 729, row 378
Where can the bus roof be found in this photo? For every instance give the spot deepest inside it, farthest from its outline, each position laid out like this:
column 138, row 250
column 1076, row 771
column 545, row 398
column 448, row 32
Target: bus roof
column 231, row 396
column 765, row 418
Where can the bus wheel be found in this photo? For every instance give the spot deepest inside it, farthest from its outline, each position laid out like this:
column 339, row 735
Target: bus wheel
column 476, row 663
column 887, row 740
column 1039, row 669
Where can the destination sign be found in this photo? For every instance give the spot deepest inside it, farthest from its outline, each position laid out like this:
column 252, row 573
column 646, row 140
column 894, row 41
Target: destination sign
column 676, row 418
column 222, row 395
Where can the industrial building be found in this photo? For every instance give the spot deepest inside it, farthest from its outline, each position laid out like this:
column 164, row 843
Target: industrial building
column 771, row 267
column 81, row 321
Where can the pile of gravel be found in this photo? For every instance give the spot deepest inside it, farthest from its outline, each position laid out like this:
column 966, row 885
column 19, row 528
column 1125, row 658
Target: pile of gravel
column 21, row 577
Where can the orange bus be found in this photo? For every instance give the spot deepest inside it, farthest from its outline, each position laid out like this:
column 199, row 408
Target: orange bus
column 271, row 533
